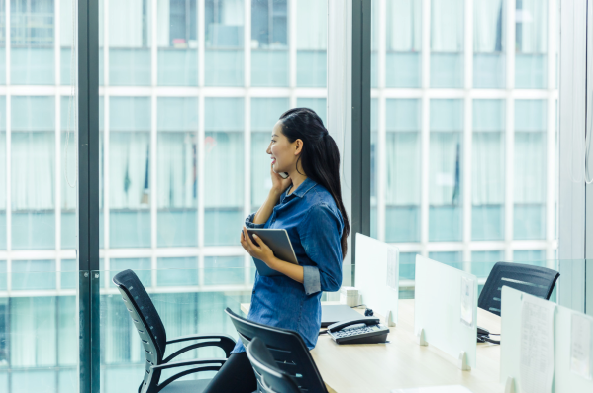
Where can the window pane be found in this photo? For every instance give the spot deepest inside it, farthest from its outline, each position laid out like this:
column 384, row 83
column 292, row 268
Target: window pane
column 489, row 44
column 446, row 125
column 403, row 58
column 531, row 40
column 446, row 58
column 530, row 170
column 269, row 43
column 311, row 43
column 488, row 170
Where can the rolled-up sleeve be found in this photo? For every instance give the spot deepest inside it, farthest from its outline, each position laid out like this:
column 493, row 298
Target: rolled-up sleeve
column 249, row 222
column 321, row 234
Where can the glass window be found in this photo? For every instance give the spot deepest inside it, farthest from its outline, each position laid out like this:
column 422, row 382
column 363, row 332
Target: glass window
column 531, row 40
column 177, row 172
column 269, row 43
column 68, row 174
column 311, row 43
column 403, row 56
column 489, row 44
column 451, row 258
column 446, row 57
column 225, row 43
column 129, row 180
column 446, row 126
column 3, row 174
column 177, row 42
column 488, row 170
column 530, row 170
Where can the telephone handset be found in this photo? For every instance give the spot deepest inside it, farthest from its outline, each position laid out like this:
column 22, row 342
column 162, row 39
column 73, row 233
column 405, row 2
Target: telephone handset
column 283, row 175
column 366, row 330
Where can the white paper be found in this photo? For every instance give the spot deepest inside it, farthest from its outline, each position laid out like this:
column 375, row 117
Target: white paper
column 435, row 389
column 392, row 268
column 537, row 346
column 466, row 315
column 580, row 345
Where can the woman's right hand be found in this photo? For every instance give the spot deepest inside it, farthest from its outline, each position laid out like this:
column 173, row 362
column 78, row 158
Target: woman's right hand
column 279, row 184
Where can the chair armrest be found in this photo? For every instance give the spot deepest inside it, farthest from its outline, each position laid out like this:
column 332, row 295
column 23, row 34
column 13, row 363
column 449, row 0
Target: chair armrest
column 190, row 362
column 222, row 341
column 221, row 337
column 212, row 365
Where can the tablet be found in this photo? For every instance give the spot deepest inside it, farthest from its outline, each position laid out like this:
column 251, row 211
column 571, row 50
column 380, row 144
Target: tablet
column 279, row 243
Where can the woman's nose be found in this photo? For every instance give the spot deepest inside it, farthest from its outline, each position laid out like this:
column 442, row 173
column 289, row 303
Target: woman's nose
column 269, row 150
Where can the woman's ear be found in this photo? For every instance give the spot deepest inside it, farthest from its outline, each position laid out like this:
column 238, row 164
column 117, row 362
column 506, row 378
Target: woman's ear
column 298, row 147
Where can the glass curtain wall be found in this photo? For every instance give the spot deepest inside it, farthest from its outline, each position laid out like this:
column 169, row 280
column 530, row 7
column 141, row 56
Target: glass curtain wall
column 190, row 91
column 463, row 129
column 38, row 176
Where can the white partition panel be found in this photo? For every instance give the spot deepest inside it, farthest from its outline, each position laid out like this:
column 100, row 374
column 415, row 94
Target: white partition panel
column 377, row 276
column 510, row 335
column 443, row 317
column 570, row 375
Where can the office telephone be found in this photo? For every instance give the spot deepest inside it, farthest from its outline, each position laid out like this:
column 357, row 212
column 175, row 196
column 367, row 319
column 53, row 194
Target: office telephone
column 365, row 330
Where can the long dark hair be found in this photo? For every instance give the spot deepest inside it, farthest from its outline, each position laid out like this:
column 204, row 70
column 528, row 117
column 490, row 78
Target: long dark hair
column 320, row 156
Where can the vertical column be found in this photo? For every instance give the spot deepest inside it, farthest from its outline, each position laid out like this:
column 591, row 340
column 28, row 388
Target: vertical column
column 153, row 142
column 551, row 140
column 510, row 132
column 106, row 136
column 57, row 145
column 466, row 174
column 425, row 132
column 201, row 18
column 292, row 50
column 381, row 157
column 201, row 185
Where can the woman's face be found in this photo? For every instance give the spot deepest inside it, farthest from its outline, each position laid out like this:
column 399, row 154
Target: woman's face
column 283, row 153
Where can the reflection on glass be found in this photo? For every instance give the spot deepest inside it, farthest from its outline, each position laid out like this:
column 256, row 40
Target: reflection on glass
column 403, row 59
column 530, row 257
column 177, row 41
column 488, row 169
column 483, row 261
column 223, row 164
column 32, row 42
column 32, row 161
column 531, row 40
column 446, row 58
column 177, row 172
column 530, row 170
column 225, row 25
column 445, row 175
column 311, row 42
column 402, row 153
column 129, row 154
column 269, row 43
column 264, row 115
column 129, row 42
column 179, row 271
column 489, row 43
column 224, row 270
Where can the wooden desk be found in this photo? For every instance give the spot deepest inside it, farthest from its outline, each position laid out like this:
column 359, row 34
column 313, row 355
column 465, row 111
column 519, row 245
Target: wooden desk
column 402, row 363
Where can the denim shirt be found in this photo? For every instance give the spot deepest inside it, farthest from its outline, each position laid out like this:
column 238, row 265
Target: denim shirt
column 314, row 225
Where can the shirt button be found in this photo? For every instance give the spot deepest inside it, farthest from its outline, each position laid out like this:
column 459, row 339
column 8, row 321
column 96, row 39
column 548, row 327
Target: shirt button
column 253, row 292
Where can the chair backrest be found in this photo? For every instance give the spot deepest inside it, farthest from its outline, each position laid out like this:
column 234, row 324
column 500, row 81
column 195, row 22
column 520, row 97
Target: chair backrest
column 270, row 379
column 534, row 280
column 147, row 323
column 288, row 349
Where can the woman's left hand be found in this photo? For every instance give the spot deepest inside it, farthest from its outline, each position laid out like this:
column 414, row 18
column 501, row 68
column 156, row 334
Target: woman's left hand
column 259, row 250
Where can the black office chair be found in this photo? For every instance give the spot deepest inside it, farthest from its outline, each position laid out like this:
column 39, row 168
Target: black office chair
column 288, row 350
column 534, row 280
column 153, row 336
column 270, row 378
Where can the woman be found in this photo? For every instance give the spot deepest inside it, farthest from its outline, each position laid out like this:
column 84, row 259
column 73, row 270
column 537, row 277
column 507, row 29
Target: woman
column 308, row 205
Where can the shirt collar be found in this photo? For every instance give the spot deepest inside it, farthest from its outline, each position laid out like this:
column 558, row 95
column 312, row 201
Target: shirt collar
column 303, row 188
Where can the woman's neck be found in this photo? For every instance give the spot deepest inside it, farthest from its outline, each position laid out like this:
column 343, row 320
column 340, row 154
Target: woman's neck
column 297, row 179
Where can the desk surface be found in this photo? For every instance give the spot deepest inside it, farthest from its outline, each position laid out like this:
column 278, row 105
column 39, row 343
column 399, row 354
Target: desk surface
column 402, row 363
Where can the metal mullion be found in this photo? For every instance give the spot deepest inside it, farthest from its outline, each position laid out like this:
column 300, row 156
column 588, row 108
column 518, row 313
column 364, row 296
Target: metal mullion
column 551, row 140
column 201, row 22
column 292, row 50
column 153, row 145
column 361, row 108
column 466, row 174
column 381, row 157
column 510, row 129
column 425, row 130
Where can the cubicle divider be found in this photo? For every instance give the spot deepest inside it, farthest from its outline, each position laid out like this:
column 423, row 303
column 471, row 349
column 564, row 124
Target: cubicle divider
column 446, row 310
column 544, row 347
column 377, row 276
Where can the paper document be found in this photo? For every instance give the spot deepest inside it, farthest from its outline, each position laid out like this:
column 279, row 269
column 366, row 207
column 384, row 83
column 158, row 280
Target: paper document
column 537, row 345
column 467, row 301
column 581, row 329
column 392, row 268
column 435, row 389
